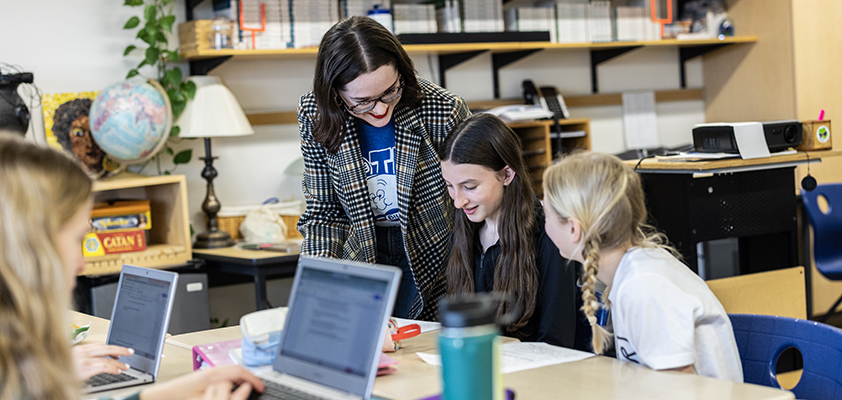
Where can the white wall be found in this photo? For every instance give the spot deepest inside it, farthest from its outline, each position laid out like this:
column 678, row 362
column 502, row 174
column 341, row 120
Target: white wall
column 74, row 46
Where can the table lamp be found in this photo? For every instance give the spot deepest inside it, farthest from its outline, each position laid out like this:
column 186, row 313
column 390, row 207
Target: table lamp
column 213, row 112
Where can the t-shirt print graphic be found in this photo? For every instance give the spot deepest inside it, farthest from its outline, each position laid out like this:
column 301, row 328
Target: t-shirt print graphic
column 625, row 350
column 382, row 184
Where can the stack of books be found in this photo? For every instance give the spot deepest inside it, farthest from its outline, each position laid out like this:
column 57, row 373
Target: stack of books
column 414, row 18
column 350, row 8
column 482, row 16
column 572, row 21
column 311, row 19
column 532, row 19
column 277, row 33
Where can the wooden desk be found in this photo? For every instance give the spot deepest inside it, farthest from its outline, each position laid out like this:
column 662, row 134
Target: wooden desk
column 175, row 362
column 752, row 200
column 594, row 378
column 258, row 264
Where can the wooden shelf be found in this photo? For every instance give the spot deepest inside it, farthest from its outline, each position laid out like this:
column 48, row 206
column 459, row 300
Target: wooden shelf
column 203, row 60
column 169, row 239
column 450, row 48
column 587, row 100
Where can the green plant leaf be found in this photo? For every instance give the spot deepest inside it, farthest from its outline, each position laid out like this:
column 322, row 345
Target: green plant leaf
column 173, row 55
column 133, row 22
column 132, row 73
column 149, row 13
column 183, row 157
column 189, row 89
column 166, row 22
column 133, row 3
column 128, row 49
column 175, row 130
column 173, row 77
column 152, row 55
column 144, row 36
column 169, row 149
column 167, row 2
column 159, row 36
column 142, row 63
column 167, row 172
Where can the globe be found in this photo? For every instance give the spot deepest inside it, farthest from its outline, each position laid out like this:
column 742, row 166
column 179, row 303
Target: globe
column 131, row 120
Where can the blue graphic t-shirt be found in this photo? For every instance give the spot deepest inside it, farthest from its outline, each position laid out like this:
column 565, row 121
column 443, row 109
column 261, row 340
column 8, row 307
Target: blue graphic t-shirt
column 378, row 149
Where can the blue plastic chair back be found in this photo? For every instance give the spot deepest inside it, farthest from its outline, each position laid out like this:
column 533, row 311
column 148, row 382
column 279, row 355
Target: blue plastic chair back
column 762, row 338
column 827, row 229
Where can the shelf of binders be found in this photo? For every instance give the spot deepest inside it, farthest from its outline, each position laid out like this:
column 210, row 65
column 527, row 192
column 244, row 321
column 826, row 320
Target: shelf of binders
column 449, row 48
column 503, row 53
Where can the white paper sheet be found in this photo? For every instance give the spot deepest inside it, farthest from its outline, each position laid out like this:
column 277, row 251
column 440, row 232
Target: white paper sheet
column 426, row 326
column 522, row 356
column 640, row 125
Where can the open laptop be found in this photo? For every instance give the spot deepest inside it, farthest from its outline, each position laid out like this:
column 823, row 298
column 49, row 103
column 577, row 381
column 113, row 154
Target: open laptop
column 139, row 321
column 331, row 342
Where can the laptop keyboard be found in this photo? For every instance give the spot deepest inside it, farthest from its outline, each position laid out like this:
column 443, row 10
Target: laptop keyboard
column 277, row 391
column 107, row 379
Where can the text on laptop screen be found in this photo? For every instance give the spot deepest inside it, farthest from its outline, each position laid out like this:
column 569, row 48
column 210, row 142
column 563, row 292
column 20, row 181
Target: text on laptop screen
column 331, row 315
column 139, row 313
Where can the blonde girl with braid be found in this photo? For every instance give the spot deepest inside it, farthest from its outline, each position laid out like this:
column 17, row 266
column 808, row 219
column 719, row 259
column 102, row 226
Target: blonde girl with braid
column 664, row 316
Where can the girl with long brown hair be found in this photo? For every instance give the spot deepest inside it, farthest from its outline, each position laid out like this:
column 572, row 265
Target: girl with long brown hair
column 499, row 244
column 664, row 316
column 45, row 206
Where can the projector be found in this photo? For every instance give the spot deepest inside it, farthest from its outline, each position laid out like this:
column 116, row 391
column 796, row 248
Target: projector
column 721, row 138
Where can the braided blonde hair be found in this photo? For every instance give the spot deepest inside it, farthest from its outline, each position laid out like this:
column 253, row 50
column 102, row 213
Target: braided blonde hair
column 606, row 197
column 40, row 190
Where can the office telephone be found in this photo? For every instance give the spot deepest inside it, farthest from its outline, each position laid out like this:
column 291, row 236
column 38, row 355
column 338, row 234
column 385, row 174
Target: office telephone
column 547, row 97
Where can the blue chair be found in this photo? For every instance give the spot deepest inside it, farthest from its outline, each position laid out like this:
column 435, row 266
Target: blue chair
column 827, row 233
column 762, row 338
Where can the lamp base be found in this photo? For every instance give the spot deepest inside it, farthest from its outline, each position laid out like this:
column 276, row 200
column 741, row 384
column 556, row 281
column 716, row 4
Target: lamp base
column 213, row 240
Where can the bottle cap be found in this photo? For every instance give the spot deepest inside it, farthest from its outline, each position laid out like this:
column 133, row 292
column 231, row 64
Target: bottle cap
column 466, row 311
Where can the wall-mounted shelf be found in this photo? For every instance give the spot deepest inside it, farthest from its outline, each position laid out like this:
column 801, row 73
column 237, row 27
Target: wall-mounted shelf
column 203, row 61
column 588, row 100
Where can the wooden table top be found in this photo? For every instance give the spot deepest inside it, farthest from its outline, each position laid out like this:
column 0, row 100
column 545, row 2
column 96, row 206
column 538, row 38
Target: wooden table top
column 175, row 362
column 594, row 378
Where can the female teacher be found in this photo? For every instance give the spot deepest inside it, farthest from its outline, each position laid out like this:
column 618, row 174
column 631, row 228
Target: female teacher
column 370, row 131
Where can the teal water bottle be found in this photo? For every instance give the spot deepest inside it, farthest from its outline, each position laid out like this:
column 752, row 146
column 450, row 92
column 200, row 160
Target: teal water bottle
column 470, row 350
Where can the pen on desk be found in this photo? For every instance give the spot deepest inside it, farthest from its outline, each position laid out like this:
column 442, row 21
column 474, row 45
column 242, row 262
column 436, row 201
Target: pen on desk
column 821, row 115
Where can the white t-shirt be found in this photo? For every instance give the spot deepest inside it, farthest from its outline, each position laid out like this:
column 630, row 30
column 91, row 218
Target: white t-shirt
column 665, row 316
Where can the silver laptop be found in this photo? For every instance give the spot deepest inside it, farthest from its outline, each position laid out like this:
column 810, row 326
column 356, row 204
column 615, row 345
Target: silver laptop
column 333, row 335
column 139, row 321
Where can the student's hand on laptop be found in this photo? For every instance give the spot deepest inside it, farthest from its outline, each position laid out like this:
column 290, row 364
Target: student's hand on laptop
column 213, row 383
column 96, row 358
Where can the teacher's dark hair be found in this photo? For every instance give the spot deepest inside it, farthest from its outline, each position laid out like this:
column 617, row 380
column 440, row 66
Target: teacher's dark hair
column 352, row 47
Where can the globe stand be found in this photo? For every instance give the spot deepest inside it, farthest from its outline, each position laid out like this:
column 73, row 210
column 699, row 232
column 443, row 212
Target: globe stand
column 213, row 238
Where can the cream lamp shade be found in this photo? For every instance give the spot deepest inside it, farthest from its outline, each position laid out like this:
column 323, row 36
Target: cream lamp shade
column 213, row 112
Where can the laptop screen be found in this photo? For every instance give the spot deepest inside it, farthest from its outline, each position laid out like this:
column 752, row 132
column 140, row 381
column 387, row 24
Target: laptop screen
column 334, row 318
column 139, row 313
column 336, row 323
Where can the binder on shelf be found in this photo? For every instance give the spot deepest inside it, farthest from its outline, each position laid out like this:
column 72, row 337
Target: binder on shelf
column 473, row 37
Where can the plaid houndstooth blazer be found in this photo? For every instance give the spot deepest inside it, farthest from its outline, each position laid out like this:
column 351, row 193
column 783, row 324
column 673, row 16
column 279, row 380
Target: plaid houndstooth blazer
column 339, row 221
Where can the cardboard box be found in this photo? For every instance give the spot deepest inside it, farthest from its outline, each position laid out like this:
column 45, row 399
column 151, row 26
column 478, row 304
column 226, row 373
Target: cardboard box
column 123, row 241
column 121, row 215
column 118, row 227
column 816, row 136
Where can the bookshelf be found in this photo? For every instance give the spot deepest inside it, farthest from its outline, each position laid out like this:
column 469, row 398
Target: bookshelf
column 541, row 144
column 203, row 60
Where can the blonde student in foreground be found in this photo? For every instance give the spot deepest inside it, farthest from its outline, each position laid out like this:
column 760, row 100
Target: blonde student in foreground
column 45, row 205
column 664, row 315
